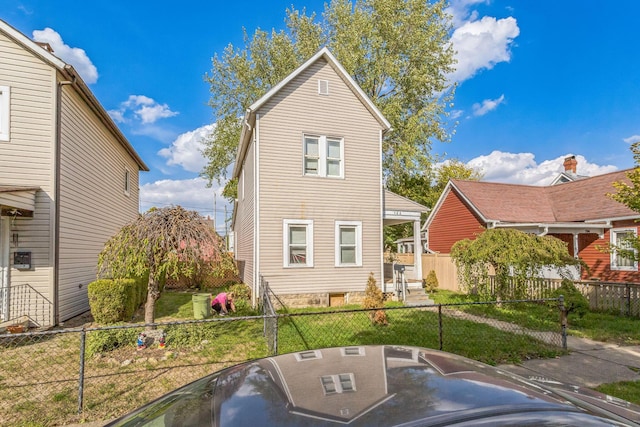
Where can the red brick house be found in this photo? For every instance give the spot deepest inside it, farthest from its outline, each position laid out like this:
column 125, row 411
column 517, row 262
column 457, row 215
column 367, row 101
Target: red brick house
column 579, row 212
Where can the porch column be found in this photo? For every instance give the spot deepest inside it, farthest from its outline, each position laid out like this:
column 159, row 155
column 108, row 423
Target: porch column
column 417, row 250
column 575, row 246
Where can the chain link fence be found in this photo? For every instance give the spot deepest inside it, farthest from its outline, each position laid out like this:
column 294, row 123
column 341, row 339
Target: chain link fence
column 88, row 374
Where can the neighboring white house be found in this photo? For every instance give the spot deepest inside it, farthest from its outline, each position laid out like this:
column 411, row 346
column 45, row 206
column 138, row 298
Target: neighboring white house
column 311, row 204
column 68, row 182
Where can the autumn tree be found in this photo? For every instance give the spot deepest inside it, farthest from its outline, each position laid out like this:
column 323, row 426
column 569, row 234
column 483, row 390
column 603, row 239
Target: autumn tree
column 514, row 257
column 628, row 193
column 165, row 242
column 398, row 51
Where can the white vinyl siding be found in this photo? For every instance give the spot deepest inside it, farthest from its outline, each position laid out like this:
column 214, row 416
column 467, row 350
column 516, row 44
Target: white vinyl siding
column 348, row 243
column 618, row 237
column 28, row 159
column 297, row 243
column 93, row 205
column 286, row 193
column 5, row 114
column 323, row 156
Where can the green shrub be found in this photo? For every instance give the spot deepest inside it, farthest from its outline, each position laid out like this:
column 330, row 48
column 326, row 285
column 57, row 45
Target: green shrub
column 116, row 300
column 108, row 340
column 241, row 292
column 431, row 282
column 574, row 302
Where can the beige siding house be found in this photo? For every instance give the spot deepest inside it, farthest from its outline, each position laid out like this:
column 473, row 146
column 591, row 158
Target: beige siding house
column 68, row 181
column 310, row 207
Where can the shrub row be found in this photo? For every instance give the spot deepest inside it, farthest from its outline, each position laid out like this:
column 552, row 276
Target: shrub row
column 116, row 300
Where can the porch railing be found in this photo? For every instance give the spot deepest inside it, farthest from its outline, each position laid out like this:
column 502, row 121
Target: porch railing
column 23, row 303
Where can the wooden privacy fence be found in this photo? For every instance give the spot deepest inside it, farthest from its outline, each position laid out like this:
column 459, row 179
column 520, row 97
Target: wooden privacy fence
column 445, row 270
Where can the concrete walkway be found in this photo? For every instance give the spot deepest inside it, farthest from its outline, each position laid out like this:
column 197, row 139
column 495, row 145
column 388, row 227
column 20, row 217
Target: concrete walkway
column 589, row 364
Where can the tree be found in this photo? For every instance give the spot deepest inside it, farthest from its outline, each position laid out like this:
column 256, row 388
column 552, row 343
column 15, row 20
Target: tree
column 169, row 241
column 398, row 51
column 629, row 195
column 514, row 256
column 425, row 188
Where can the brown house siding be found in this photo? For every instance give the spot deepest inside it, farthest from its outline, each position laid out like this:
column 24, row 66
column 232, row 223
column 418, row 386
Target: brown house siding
column 453, row 221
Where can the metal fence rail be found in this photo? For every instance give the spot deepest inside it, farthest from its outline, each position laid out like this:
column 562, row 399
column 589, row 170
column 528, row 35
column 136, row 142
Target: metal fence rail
column 74, row 375
column 24, row 304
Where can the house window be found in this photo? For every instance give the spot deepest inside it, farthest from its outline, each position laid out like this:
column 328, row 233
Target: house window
column 341, row 383
column 4, row 113
column 323, row 87
column 352, row 351
column 308, row 355
column 297, row 243
column 619, row 238
column 323, row 156
column 126, row 182
column 348, row 243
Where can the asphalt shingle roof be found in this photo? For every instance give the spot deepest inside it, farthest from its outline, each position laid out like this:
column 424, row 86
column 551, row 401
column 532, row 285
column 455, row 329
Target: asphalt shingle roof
column 580, row 200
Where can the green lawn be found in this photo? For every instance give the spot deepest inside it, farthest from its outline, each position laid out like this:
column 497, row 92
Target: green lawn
column 627, row 390
column 597, row 326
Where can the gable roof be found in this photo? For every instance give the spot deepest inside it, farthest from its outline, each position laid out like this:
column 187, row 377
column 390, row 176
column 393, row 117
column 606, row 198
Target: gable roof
column 249, row 119
column 69, row 73
column 583, row 200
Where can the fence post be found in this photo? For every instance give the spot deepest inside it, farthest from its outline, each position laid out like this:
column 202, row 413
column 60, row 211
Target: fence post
column 275, row 335
column 563, row 321
column 440, row 325
column 628, row 291
column 83, row 336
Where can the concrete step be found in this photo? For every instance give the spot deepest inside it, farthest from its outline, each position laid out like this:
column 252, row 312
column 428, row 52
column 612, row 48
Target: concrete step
column 417, row 297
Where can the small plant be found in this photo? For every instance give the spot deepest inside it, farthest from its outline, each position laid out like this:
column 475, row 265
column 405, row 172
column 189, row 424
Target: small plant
column 574, row 302
column 431, row 282
column 373, row 298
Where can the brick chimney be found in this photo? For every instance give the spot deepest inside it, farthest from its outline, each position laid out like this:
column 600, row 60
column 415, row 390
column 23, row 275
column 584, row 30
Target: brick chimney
column 570, row 164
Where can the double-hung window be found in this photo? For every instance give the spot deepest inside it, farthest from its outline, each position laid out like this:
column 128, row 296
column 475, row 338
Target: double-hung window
column 341, row 383
column 348, row 235
column 620, row 240
column 297, row 242
column 5, row 116
column 323, row 156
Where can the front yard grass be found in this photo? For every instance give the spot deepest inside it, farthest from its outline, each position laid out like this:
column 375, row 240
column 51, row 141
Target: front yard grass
column 627, row 390
column 594, row 325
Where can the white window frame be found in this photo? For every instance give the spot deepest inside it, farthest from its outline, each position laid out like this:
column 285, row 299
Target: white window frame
column 614, row 255
column 335, row 380
column 358, row 226
column 303, row 356
column 5, row 113
column 286, row 224
column 127, row 182
column 323, row 155
column 352, row 351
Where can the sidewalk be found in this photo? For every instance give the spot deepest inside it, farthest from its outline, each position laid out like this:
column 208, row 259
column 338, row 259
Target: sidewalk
column 589, row 364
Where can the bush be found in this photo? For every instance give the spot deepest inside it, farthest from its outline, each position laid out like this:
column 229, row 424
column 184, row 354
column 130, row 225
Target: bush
column 574, row 302
column 116, row 300
column 431, row 282
column 109, row 340
column 373, row 298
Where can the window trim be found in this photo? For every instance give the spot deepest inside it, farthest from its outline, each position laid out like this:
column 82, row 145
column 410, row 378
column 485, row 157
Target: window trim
column 323, row 155
column 5, row 113
column 336, row 381
column 286, row 224
column 358, row 227
column 613, row 237
column 127, row 182
column 302, row 356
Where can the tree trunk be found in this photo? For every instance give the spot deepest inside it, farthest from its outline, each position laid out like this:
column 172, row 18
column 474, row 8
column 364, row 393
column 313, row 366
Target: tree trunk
column 153, row 293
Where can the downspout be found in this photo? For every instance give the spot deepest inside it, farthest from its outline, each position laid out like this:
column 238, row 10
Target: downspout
column 56, row 226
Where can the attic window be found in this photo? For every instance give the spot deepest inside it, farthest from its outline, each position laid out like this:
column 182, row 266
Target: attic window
column 323, row 87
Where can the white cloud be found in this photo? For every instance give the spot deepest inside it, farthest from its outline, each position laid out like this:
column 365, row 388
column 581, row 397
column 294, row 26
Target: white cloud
column 482, row 44
column 191, row 194
column 141, row 108
column 632, row 139
column 71, row 55
column 487, row 105
column 186, row 150
column 455, row 114
column 460, row 13
column 521, row 168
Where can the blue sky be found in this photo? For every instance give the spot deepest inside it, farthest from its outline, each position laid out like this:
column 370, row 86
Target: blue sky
column 538, row 80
